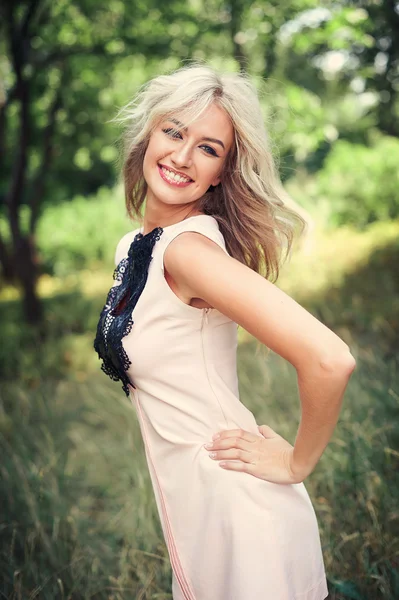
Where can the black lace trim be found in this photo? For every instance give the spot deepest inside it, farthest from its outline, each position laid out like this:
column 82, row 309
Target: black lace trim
column 116, row 316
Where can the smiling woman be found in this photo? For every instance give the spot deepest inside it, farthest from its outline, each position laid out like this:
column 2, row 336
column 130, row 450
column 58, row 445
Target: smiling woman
column 182, row 159
column 213, row 131
column 197, row 159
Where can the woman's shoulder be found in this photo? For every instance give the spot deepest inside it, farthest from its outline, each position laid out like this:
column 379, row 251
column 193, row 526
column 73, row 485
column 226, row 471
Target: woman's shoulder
column 202, row 223
column 206, row 225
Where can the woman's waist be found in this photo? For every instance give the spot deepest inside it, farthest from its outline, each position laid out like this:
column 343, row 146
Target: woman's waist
column 193, row 420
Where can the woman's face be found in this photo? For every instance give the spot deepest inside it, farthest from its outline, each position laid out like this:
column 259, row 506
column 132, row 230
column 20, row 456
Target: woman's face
column 181, row 163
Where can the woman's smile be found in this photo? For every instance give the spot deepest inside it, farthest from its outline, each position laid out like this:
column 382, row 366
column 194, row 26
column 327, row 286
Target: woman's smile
column 173, row 177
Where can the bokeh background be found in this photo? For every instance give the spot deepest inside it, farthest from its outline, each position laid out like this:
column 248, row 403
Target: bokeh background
column 78, row 517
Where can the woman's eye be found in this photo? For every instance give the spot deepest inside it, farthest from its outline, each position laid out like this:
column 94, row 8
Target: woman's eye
column 210, row 150
column 172, row 132
column 175, row 133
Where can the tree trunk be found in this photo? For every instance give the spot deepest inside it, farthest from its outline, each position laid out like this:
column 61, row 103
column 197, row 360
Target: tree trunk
column 26, row 270
column 6, row 263
column 237, row 8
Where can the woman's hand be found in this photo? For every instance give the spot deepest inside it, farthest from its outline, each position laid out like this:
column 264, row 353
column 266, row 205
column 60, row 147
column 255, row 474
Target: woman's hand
column 267, row 457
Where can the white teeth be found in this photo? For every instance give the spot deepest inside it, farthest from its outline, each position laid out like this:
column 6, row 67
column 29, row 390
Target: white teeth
column 174, row 176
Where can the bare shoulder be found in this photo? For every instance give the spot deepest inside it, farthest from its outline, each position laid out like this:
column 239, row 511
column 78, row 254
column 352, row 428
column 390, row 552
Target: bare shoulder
column 175, row 260
column 202, row 269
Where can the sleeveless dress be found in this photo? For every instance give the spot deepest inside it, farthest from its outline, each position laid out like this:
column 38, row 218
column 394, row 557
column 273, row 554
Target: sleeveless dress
column 230, row 536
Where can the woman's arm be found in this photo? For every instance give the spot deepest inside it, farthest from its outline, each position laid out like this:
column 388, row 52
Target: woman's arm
column 322, row 360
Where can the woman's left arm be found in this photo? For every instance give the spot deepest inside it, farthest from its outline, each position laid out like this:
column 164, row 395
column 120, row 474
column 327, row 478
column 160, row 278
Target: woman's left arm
column 321, row 392
column 322, row 360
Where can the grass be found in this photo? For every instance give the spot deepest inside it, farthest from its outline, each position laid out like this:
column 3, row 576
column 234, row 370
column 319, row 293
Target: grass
column 82, row 522
column 79, row 517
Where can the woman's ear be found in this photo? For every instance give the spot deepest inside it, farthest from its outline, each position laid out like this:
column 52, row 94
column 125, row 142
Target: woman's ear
column 216, row 181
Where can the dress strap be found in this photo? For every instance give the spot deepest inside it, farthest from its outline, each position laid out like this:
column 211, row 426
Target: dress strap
column 203, row 224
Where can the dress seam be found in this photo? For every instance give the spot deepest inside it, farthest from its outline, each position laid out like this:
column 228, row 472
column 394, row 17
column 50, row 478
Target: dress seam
column 206, row 366
column 174, row 556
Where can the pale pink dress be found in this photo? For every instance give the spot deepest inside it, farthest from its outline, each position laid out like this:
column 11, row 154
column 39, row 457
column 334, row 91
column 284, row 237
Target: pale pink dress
column 230, row 536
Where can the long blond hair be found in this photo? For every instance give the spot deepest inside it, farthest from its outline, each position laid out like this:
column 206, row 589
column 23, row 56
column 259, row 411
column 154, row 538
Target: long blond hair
column 249, row 202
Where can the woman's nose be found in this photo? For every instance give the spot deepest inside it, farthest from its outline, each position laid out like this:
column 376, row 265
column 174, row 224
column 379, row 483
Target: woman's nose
column 182, row 157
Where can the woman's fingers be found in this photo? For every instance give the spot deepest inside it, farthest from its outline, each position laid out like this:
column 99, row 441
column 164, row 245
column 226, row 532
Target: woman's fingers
column 267, row 431
column 234, row 444
column 230, row 442
column 263, row 456
column 236, row 433
column 238, row 445
column 232, row 454
column 239, row 466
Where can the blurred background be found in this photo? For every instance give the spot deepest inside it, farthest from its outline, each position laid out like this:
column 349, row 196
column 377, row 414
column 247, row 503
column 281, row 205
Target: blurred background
column 78, row 517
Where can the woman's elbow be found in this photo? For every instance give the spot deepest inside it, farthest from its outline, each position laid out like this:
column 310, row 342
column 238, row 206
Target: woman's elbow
column 340, row 362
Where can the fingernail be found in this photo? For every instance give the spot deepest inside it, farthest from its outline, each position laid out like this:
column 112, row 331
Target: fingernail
column 216, row 436
column 208, row 445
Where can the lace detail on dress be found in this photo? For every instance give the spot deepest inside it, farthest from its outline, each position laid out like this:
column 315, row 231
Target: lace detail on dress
column 116, row 317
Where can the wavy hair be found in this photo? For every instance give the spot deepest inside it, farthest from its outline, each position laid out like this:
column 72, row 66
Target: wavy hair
column 249, row 203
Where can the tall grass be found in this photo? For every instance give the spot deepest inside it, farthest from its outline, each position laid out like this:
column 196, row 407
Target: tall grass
column 80, row 518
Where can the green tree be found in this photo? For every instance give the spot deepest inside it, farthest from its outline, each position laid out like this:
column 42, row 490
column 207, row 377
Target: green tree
column 349, row 46
column 58, row 61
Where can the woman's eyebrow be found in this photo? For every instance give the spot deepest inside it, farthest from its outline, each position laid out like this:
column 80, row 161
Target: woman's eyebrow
column 205, row 139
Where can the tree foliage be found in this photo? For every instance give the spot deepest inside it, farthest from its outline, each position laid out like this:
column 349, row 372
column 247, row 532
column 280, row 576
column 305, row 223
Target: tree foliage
column 67, row 66
column 60, row 59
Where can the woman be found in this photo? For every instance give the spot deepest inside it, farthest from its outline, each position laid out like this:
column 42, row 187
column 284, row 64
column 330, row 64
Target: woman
column 197, row 154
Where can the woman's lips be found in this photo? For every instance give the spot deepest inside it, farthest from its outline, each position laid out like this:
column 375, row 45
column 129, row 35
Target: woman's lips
column 172, row 182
